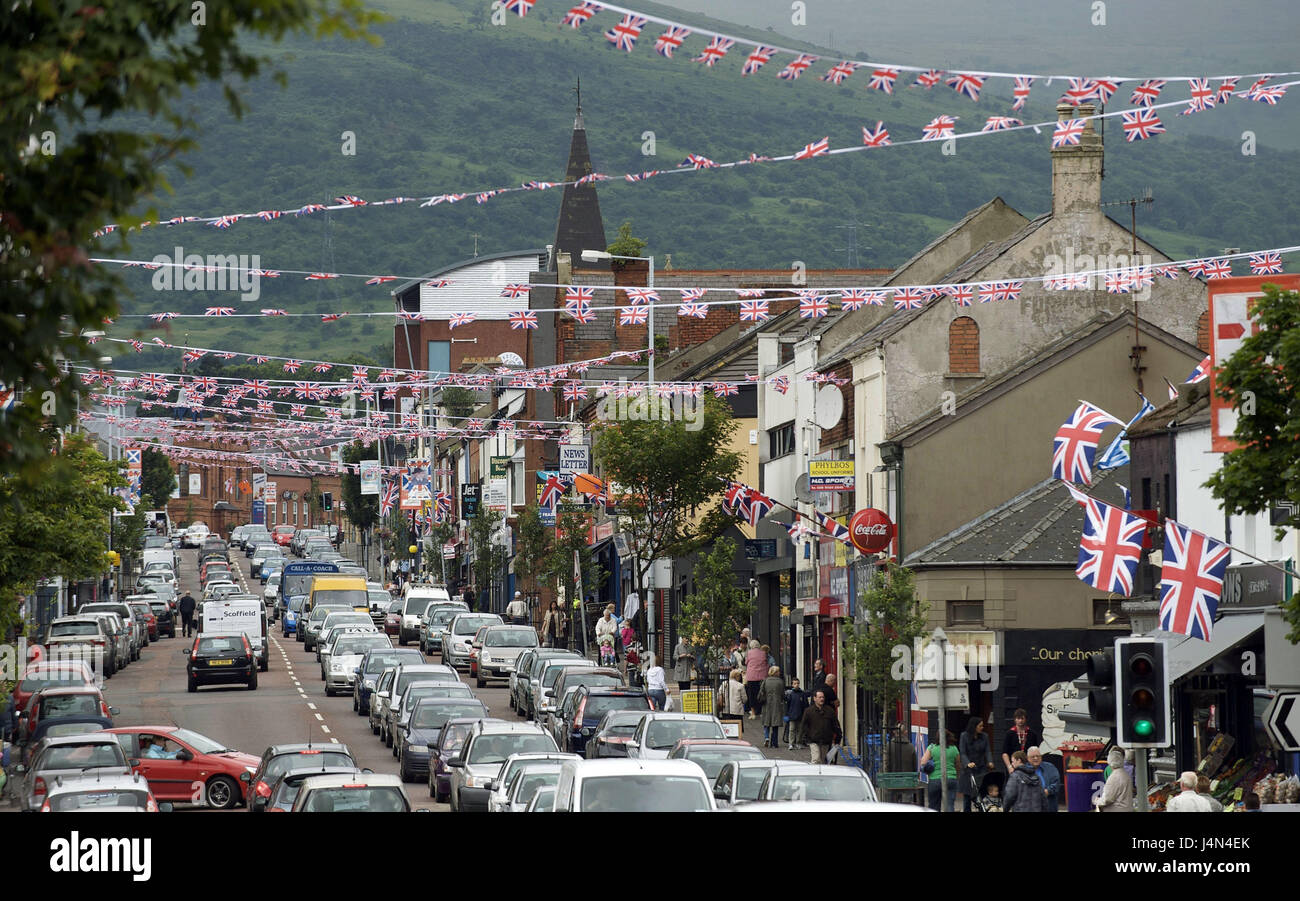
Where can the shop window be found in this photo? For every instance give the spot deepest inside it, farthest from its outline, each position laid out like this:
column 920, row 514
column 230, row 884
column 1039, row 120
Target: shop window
column 965, row 613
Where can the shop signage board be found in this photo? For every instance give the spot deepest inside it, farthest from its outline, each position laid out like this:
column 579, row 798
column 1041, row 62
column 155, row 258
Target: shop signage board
column 499, row 465
column 575, row 458
column 697, row 700
column 831, row 475
column 370, row 477
column 1253, row 585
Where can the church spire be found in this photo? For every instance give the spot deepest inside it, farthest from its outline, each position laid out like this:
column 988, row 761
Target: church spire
column 580, row 226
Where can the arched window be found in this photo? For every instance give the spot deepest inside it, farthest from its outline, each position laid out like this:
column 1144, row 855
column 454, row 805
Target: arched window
column 964, row 346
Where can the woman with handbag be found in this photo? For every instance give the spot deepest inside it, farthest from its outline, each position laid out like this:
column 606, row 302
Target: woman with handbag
column 945, row 769
column 553, row 627
column 976, row 760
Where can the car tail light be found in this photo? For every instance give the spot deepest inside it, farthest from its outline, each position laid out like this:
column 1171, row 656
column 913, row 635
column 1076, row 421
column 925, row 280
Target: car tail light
column 194, row 652
column 313, row 751
column 355, row 785
column 261, row 789
column 97, row 642
column 45, row 808
column 248, row 650
column 104, row 707
column 151, row 806
column 38, row 787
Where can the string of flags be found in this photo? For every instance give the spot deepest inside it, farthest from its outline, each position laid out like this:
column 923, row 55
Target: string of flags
column 752, row 505
column 1139, row 123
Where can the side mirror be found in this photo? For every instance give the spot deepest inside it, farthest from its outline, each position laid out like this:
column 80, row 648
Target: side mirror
column 356, row 670
column 456, row 762
column 133, row 762
column 184, row 755
column 245, row 776
column 367, row 770
column 721, row 794
column 491, row 785
column 432, row 749
column 20, row 769
column 113, row 711
column 185, row 652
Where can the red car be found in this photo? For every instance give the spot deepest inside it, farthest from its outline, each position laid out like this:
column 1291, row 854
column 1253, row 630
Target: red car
column 281, row 535
column 55, row 674
column 185, row 766
column 150, row 618
column 393, row 618
column 476, row 648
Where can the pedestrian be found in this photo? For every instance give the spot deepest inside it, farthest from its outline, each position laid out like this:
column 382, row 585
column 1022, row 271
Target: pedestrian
column 470, row 602
column 818, row 681
column 1024, row 788
column 976, row 760
column 1117, row 794
column 821, row 727
column 773, row 690
column 950, row 756
column 796, row 702
column 738, row 655
column 731, row 698
column 755, row 673
column 1051, row 779
column 656, row 682
column 606, row 630
column 684, row 665
column 1018, row 738
column 831, row 697
column 553, row 627
column 1187, row 800
column 186, row 608
column 517, row 610
column 1203, row 789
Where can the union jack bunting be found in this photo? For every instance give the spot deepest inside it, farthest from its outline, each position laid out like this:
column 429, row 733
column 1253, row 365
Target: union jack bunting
column 159, row 317
column 882, row 79
column 320, row 276
column 592, row 177
column 754, row 311
column 523, row 319
column 257, row 359
column 814, row 307
column 716, row 50
column 961, row 295
column 642, row 176
column 632, row 315
column 722, row 389
column 219, row 311
column 1226, row 87
column 575, row 295
column 265, row 406
column 854, row 298
column 840, row 71
column 388, row 499
column 757, row 505
column 693, row 310
column 693, row 294
column 780, row 383
column 459, row 319
column 1202, row 96
column 349, row 199
column 1109, row 548
column 137, row 346
column 520, row 6
column 1191, row 581
column 322, row 367
column 696, row 161
column 332, row 317
column 1197, row 267
column 410, row 316
column 441, row 506
column 796, row 67
column 816, row 148
column 224, row 221
column 1142, row 278
column 670, row 40
column 638, row 296
column 1218, row 269
column 297, row 410
column 967, row 85
column 878, row 137
column 624, row 34
column 1000, row 123
column 1201, row 372
column 1004, row 290
column 582, row 313
column 1140, row 124
column 1020, row 92
column 1270, row 95
column 260, row 387
column 1267, row 263
column 274, row 312
column 575, row 391
column 939, row 127
column 360, row 375
column 1068, row 131
column 268, row 215
column 928, row 79
column 909, row 299
column 579, row 14
column 292, row 365
column 1119, row 283
column 485, row 196
column 266, row 273
column 757, row 59
column 1147, row 92
column 1074, row 446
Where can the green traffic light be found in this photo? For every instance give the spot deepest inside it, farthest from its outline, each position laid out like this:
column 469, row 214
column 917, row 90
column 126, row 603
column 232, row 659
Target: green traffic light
column 1144, row 728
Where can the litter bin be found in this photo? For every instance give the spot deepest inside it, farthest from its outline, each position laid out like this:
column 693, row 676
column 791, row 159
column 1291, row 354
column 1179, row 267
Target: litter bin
column 1078, row 754
column 1080, row 785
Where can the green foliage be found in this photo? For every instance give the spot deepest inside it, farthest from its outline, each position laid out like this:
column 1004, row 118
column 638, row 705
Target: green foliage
column 459, row 403
column 95, row 90
column 157, row 479
column 892, row 617
column 362, row 510
column 1260, row 381
column 128, row 532
column 718, row 609
column 626, row 244
column 571, row 535
column 489, row 557
column 532, row 548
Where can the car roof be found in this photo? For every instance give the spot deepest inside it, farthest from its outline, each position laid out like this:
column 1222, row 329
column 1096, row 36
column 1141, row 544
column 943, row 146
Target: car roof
column 826, row 807
column 817, row 769
column 318, row 771
column 76, row 618
column 161, row 730
column 69, row 690
column 616, row 766
column 434, row 702
column 338, row 780
column 92, row 782
column 424, row 668
column 612, row 691
column 715, row 743
column 504, row 727
column 100, row 737
column 557, row 756
column 675, row 715
column 277, row 750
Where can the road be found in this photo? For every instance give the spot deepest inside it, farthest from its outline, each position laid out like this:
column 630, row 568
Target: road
column 289, row 704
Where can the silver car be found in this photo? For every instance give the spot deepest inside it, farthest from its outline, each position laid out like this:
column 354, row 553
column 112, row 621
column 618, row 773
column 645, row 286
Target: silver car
column 340, row 661
column 659, row 732
column 97, row 793
column 480, row 760
column 337, row 618
column 528, row 682
column 502, row 646
column 325, row 648
column 67, row 755
column 458, row 635
column 85, row 638
column 406, row 676
column 502, row 789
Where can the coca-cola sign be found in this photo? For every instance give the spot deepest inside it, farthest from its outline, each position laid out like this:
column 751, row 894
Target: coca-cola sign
column 871, row 530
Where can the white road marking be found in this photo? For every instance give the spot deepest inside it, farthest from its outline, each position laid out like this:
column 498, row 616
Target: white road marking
column 325, row 729
column 335, row 740
column 311, row 705
column 319, row 717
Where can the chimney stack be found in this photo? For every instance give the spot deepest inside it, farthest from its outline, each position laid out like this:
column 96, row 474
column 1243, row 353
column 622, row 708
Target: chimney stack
column 1076, row 169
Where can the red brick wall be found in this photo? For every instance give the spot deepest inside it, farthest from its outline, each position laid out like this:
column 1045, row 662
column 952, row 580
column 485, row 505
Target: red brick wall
column 843, row 430
column 963, row 345
column 1203, row 331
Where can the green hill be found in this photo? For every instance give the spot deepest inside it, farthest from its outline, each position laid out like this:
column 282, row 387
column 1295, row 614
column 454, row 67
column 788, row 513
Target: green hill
column 453, row 103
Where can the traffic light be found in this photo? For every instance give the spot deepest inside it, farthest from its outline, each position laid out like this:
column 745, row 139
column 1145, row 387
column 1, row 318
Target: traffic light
column 327, row 501
column 1101, row 688
column 1142, row 693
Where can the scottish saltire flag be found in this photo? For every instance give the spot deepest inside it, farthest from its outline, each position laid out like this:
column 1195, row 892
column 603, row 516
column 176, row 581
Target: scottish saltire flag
column 1075, row 445
column 1128, row 497
column 1191, row 581
column 1116, row 454
column 1200, row 373
column 1109, row 548
column 919, row 726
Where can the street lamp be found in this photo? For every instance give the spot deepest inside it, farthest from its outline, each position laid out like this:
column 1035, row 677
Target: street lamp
column 600, row 256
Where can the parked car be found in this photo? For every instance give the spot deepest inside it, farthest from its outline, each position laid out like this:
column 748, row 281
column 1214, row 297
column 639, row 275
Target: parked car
column 83, row 637
column 632, row 786
column 428, row 716
column 406, row 677
column 99, row 793
column 415, row 600
column 588, row 707
column 612, row 734
column 284, row 791
column 371, row 667
column 50, row 674
column 279, row 759
column 68, row 755
column 500, row 788
column 289, row 622
column 435, row 618
column 803, row 782
column 354, row 793
column 120, row 648
column 543, row 801
column 162, row 612
column 64, row 702
column 393, row 620
column 480, row 760
column 502, row 646
column 528, row 681
column 340, row 660
column 221, row 660
column 659, row 732
column 146, row 613
column 712, row 755
column 564, row 692
column 450, row 741
column 739, row 781
column 459, row 633
column 184, row 766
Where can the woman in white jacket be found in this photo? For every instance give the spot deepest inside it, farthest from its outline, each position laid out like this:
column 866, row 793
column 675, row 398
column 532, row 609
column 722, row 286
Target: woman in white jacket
column 607, row 629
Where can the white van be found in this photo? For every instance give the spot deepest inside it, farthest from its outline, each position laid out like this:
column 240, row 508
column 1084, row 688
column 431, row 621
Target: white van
column 415, row 600
column 158, row 555
column 239, row 616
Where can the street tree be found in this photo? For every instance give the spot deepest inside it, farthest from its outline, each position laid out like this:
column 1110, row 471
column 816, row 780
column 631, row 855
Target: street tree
column 1260, row 382
column 532, row 549
column 93, row 113
column 715, row 612
column 157, row 479
column 362, row 510
column 489, row 556
column 571, row 529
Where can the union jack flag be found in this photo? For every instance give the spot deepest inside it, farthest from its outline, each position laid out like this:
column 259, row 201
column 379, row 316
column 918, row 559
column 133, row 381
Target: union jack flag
column 1270, row 95
column 1020, row 91
column 624, row 34
column 265, row 406
column 1197, row 267
column 441, row 507
column 1218, row 269
column 883, row 79
column 1142, row 278
column 638, row 296
column 514, row 291
column 582, row 313
column 856, row 297
column 733, row 499
column 360, row 375
column 308, row 209
column 1119, row 283
column 1140, row 124
column 265, row 273
column 1082, row 89
column 592, row 177
column 796, row 67
column 322, row 367
column 1191, row 581
column 1267, row 263
column 722, row 389
column 292, row 365
column 1001, row 291
column 939, row 127
column 320, row 276
column 1000, row 123
column 1226, row 87
column 1110, row 546
column 575, row 391
column 459, row 319
column 552, row 491
column 816, row 148
column 332, row 317
column 962, row 295
column 928, row 79
column 1201, row 372
column 967, row 85
column 274, row 312
column 757, row 59
column 1075, row 444
column 538, row 185
column 485, row 196
column 699, row 162
column 573, row 296
column 268, row 215
column 641, row 176
column 716, row 50
column 520, row 6
column 260, row 387
column 754, row 311
column 877, row 138
column 1147, row 92
column 224, row 221
column 257, row 359
column 693, row 310
column 380, row 279
column 757, row 505
column 909, row 299
column 832, row 528
column 632, row 315
column 579, row 14
column 387, row 375
column 814, row 307
column 670, row 40
column 219, row 311
column 388, row 499
column 840, row 71
column 1068, row 131
column 154, row 383
column 523, row 319
column 1202, row 96
column 693, row 294
column 780, row 383
column 159, row 317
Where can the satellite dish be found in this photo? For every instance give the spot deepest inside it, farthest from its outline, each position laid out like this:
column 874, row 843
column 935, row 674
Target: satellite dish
column 510, row 358
column 829, row 407
column 802, row 488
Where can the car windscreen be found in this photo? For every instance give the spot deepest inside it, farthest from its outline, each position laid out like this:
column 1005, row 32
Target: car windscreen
column 454, row 736
column 638, row 793
column 200, row 743
column 751, row 780
column 356, row 800
column 70, row 705
column 224, row 644
column 349, row 646
column 599, row 705
column 379, row 598
column 295, row 604
column 353, row 597
column 496, row 748
column 340, row 619
column 663, row 734
column 285, row 762
column 435, row 716
column 65, row 678
column 74, row 757
column 377, row 663
column 62, row 630
column 415, row 606
column 406, row 679
column 99, row 799
column 297, row 583
column 533, row 780
column 159, row 609
column 442, row 617
column 551, row 673
column 713, row 760
column 821, row 788
column 511, row 638
column 468, row 625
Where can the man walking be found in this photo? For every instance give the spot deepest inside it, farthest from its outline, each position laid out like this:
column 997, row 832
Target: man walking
column 1187, row 800
column 1050, row 778
column 186, row 607
column 818, row 677
column 517, row 610
column 821, row 728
